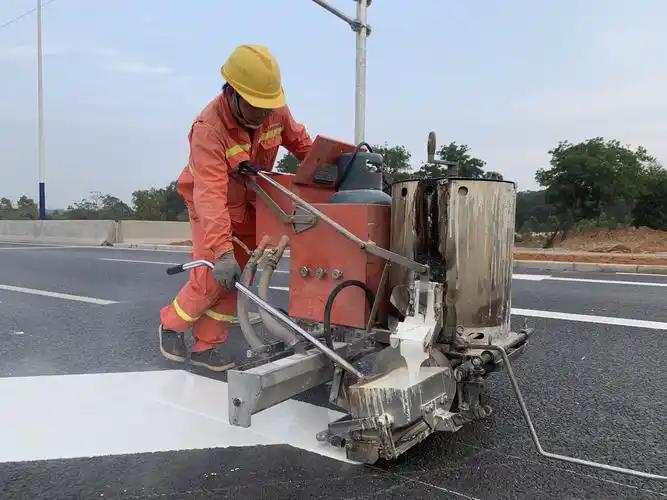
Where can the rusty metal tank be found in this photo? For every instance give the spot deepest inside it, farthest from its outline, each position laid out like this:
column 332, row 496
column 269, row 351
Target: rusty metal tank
column 464, row 230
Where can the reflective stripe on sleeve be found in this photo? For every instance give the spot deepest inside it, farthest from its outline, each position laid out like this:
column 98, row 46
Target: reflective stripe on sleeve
column 236, row 150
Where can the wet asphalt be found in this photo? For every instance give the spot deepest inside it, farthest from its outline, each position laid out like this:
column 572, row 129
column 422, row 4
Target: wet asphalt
column 595, row 391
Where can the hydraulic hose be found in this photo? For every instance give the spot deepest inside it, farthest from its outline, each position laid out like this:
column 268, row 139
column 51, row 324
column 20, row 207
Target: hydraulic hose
column 274, row 327
column 370, row 296
column 242, row 301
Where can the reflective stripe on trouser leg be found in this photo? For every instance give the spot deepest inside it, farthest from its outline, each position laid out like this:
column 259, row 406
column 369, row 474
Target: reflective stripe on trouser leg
column 199, row 294
column 212, row 328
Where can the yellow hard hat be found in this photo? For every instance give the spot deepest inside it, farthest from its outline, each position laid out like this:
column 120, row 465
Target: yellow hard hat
column 253, row 72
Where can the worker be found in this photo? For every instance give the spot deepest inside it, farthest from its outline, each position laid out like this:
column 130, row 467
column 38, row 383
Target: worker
column 246, row 123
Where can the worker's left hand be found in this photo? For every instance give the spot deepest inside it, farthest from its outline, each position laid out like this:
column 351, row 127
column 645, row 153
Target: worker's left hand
column 227, row 270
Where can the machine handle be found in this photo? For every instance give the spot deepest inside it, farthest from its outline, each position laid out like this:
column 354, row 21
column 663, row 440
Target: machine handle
column 175, row 269
column 190, row 265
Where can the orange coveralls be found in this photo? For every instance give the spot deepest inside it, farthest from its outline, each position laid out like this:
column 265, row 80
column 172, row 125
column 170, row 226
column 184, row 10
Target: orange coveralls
column 219, row 206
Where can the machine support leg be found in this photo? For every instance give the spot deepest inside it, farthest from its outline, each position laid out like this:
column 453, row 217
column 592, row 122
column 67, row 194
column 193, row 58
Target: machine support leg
column 533, row 433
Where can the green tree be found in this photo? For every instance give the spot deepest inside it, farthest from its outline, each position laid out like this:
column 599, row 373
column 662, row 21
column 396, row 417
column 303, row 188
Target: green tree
column 112, row 208
column 174, row 205
column 6, row 205
column 588, row 178
column 149, row 204
column 651, row 206
column 288, row 164
column 26, row 208
column 491, row 175
column 468, row 165
column 396, row 161
column 532, row 204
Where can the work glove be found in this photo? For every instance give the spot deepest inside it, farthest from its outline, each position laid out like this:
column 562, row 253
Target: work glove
column 245, row 167
column 227, row 270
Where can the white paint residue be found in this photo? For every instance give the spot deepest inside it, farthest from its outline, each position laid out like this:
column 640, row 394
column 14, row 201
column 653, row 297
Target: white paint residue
column 414, row 355
column 68, row 416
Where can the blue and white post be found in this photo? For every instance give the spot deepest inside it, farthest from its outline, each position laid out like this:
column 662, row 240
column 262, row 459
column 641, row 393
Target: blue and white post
column 40, row 115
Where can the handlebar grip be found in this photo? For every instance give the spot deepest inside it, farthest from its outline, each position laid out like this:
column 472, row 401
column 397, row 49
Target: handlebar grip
column 175, row 269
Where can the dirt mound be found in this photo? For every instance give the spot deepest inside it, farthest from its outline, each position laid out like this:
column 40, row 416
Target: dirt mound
column 627, row 240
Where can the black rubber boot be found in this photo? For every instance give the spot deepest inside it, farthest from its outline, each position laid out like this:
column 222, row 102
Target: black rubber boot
column 213, row 359
column 172, row 345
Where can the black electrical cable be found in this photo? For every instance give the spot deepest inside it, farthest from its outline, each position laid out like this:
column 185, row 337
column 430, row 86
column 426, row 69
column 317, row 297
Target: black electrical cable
column 370, row 296
column 346, row 170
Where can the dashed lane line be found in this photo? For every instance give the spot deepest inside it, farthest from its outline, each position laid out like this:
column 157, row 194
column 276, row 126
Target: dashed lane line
column 142, row 261
column 547, row 277
column 57, row 295
column 589, row 318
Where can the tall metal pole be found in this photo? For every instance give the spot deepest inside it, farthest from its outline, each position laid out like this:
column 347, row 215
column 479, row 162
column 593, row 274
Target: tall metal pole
column 362, row 30
column 360, row 74
column 40, row 114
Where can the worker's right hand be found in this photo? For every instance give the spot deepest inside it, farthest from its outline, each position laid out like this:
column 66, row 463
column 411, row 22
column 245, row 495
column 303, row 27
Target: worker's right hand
column 227, row 270
column 245, row 167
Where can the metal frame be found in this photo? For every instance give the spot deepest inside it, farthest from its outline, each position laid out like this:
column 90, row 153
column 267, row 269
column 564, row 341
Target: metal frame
column 368, row 246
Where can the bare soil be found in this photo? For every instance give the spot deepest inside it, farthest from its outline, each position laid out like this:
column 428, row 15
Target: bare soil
column 627, row 240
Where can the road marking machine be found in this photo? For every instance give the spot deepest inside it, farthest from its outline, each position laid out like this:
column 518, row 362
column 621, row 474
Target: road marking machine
column 398, row 303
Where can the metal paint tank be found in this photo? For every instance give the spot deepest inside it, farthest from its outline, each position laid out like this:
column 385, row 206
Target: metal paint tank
column 464, row 230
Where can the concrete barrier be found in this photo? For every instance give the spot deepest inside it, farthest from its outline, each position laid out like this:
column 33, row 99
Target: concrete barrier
column 77, row 232
column 153, row 232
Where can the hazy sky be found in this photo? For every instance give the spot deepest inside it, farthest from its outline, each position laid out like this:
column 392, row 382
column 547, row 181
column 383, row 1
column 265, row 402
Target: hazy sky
column 125, row 78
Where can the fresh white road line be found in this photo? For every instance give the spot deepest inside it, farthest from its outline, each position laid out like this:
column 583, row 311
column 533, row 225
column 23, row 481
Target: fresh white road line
column 143, row 261
column 69, row 416
column 645, row 274
column 530, row 277
column 281, row 288
column 609, row 282
column 56, row 295
column 587, row 318
column 543, row 277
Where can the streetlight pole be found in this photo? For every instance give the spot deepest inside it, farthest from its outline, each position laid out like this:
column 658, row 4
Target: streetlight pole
column 40, row 115
column 362, row 30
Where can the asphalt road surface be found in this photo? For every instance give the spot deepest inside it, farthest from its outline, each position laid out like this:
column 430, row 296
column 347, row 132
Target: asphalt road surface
column 90, row 409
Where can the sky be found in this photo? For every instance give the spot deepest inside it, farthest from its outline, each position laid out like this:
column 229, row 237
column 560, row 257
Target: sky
column 123, row 80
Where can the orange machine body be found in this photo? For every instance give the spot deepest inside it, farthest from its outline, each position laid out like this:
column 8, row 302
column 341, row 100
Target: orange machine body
column 321, row 246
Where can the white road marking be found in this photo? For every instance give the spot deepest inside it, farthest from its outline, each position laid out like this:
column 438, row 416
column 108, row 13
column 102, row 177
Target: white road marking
column 610, row 282
column 140, row 412
column 547, row 277
column 56, row 295
column 587, row 318
column 40, row 247
column 530, row 277
column 143, row 261
column 645, row 274
column 281, row 288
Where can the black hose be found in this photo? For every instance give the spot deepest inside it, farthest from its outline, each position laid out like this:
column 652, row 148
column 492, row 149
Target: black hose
column 346, row 170
column 370, row 296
